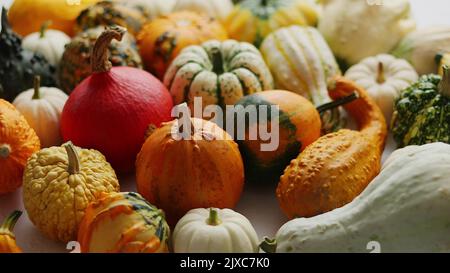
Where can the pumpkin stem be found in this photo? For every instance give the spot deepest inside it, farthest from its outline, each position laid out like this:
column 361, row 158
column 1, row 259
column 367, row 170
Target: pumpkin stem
column 5, row 150
column 264, row 2
column 8, row 224
column 74, row 160
column 213, row 219
column 44, row 28
column 380, row 74
column 217, row 61
column 37, row 85
column 268, row 245
column 444, row 85
column 337, row 103
column 99, row 57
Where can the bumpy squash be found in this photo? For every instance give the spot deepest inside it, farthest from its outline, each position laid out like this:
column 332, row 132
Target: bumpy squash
column 335, row 169
column 220, row 73
column 123, row 223
column 219, row 9
column 404, row 209
column 7, row 238
column 18, row 141
column 252, row 20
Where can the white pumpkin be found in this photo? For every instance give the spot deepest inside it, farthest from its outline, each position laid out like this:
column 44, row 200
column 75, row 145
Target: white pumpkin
column 49, row 43
column 404, row 209
column 219, row 9
column 151, row 8
column 42, row 107
column 214, row 231
column 384, row 77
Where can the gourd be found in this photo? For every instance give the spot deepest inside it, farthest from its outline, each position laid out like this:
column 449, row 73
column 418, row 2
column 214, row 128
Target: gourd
column 219, row 9
column 18, row 142
column 209, row 169
column 112, row 101
column 49, row 43
column 355, row 30
column 7, row 238
column 218, row 72
column 75, row 65
column 123, row 223
column 336, row 168
column 107, row 13
column 404, row 209
column 161, row 40
column 222, row 231
column 18, row 66
column 420, row 48
column 27, row 16
column 384, row 77
column 56, row 199
column 252, row 20
column 151, row 9
column 441, row 60
column 301, row 61
column 422, row 112
column 42, row 107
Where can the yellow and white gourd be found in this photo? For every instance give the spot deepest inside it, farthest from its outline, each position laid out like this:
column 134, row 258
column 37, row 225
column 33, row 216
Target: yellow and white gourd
column 219, row 9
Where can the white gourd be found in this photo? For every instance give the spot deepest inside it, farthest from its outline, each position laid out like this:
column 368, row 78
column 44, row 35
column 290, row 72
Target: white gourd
column 219, row 9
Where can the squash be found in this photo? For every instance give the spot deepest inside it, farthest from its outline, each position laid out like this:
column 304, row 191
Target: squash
column 107, row 13
column 161, row 40
column 204, row 170
column 301, row 61
column 222, row 231
column 42, row 107
column 75, row 65
column 111, row 101
column 422, row 112
column 219, row 9
column 420, row 48
column 18, row 142
column 18, row 66
column 56, row 199
column 336, row 168
column 151, row 9
column 123, row 223
column 356, row 30
column 27, row 16
column 218, row 72
column 384, row 77
column 404, row 209
column 441, row 60
column 252, row 20
column 7, row 238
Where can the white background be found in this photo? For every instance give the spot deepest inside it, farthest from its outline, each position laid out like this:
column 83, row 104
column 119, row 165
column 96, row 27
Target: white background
column 259, row 204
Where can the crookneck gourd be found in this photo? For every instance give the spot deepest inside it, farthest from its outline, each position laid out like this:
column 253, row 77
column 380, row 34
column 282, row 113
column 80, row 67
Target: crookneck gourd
column 7, row 238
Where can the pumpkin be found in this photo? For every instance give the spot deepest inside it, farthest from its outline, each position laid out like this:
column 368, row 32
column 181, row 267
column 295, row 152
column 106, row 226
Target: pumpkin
column 219, row 9
column 422, row 112
column 123, row 222
column 7, row 238
column 18, row 66
column 214, row 231
column 219, row 72
column 111, row 101
column 42, row 107
column 161, row 40
column 107, row 13
column 75, row 65
column 336, row 168
column 404, row 209
column 27, row 16
column 442, row 59
column 302, row 62
column 49, row 43
column 56, row 199
column 151, row 9
column 252, row 20
column 205, row 170
column 18, row 141
column 384, row 77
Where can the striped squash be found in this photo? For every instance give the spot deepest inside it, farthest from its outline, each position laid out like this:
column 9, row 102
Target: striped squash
column 302, row 62
column 220, row 73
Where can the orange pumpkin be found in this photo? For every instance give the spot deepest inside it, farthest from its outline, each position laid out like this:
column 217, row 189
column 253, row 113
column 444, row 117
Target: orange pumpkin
column 161, row 40
column 18, row 141
column 180, row 175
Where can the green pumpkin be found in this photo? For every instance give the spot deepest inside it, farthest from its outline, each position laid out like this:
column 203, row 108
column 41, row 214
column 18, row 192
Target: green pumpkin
column 422, row 112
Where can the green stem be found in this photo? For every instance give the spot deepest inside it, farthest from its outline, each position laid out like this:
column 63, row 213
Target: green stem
column 217, row 61
column 337, row 103
column 5, row 151
column 380, row 73
column 44, row 28
column 8, row 224
column 213, row 219
column 444, row 85
column 264, row 3
column 74, row 160
column 37, row 86
column 268, row 245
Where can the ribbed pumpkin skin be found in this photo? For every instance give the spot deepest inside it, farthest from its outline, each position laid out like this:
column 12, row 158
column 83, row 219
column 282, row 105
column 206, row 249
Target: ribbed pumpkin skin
column 220, row 73
column 21, row 140
column 178, row 176
column 161, row 40
column 299, row 124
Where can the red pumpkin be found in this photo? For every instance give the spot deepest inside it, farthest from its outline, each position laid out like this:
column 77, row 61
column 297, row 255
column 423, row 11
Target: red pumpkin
column 111, row 109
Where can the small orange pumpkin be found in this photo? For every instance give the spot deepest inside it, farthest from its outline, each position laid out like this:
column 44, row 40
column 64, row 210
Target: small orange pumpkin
column 161, row 40
column 18, row 141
